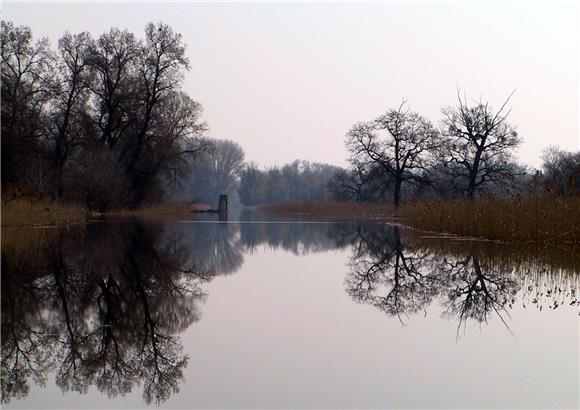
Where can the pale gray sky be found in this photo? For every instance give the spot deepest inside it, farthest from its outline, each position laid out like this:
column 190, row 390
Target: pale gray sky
column 287, row 81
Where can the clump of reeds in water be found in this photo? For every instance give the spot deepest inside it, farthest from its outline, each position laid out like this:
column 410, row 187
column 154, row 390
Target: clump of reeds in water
column 529, row 219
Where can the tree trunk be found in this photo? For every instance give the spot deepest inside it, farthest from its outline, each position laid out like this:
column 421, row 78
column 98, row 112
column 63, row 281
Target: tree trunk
column 397, row 193
column 473, row 174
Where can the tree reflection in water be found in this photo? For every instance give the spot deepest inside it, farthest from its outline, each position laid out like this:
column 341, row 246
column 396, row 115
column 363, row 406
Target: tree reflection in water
column 102, row 308
column 475, row 290
column 390, row 277
column 401, row 275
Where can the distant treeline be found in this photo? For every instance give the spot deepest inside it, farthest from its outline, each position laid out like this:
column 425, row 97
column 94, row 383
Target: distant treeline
column 300, row 181
column 99, row 121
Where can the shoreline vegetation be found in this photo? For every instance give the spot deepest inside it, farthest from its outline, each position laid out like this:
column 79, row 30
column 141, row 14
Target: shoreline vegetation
column 516, row 220
column 27, row 212
column 530, row 220
column 44, row 213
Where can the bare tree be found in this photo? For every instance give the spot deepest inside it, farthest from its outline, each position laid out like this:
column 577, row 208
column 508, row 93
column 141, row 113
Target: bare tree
column 478, row 145
column 398, row 141
column 362, row 183
column 112, row 62
column 68, row 104
column 25, row 91
column 113, row 107
column 159, row 74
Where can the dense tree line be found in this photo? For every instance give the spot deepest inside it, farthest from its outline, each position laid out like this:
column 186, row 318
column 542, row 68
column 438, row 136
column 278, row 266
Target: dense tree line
column 100, row 121
column 401, row 154
column 299, row 181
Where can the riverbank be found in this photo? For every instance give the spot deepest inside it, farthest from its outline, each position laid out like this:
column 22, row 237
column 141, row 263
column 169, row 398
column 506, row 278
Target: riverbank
column 169, row 210
column 529, row 220
column 38, row 213
column 29, row 212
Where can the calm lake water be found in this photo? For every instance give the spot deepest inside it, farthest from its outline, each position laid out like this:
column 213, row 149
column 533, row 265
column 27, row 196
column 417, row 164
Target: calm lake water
column 263, row 314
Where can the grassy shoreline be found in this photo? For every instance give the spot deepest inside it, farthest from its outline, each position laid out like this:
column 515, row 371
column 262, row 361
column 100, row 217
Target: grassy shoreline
column 26, row 212
column 530, row 220
column 159, row 211
column 40, row 213
column 517, row 220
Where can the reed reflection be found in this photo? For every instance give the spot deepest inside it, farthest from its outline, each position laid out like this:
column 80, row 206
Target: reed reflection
column 402, row 274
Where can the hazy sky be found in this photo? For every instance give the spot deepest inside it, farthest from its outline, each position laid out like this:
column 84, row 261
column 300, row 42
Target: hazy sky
column 287, row 81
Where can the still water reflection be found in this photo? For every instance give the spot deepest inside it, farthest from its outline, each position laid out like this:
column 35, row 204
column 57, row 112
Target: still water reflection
column 96, row 315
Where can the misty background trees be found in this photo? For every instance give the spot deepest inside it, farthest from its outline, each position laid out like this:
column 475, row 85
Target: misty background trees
column 299, row 181
column 215, row 170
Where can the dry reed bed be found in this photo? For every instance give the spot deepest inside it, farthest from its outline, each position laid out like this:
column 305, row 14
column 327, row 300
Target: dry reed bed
column 553, row 220
column 26, row 212
column 159, row 211
column 30, row 212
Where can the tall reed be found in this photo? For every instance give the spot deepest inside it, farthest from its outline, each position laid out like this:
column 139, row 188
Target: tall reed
column 531, row 219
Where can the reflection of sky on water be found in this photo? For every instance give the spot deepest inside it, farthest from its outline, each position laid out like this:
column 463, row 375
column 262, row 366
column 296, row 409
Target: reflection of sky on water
column 460, row 323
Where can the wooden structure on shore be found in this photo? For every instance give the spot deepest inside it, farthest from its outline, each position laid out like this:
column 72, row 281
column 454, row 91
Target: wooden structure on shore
column 222, row 210
column 223, row 205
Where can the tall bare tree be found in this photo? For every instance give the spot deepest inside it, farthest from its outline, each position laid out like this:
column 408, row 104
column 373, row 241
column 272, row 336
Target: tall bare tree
column 68, row 103
column 112, row 63
column 478, row 145
column 25, row 91
column 159, row 73
column 398, row 141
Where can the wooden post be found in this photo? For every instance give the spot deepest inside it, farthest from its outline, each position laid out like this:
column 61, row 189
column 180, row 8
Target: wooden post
column 223, row 206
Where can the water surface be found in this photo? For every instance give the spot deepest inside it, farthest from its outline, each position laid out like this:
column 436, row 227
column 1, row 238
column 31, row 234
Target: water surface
column 266, row 314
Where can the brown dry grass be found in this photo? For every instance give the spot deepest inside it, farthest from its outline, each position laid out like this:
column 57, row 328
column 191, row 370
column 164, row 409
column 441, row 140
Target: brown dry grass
column 554, row 220
column 27, row 212
column 331, row 210
column 160, row 211
column 42, row 212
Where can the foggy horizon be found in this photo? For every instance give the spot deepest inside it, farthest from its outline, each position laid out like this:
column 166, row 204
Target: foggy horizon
column 288, row 81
